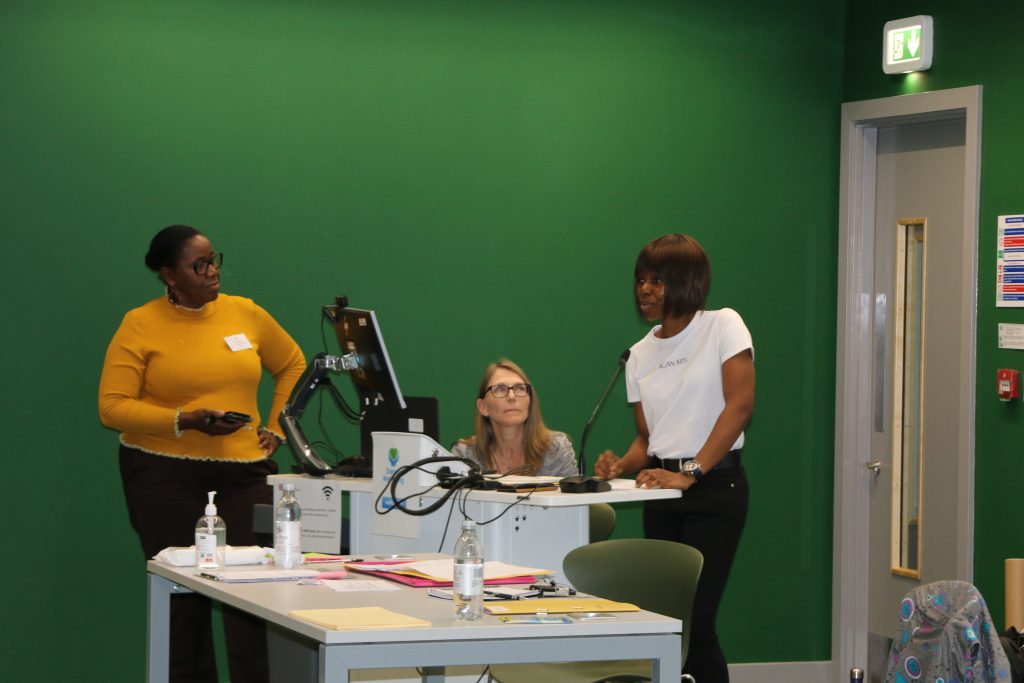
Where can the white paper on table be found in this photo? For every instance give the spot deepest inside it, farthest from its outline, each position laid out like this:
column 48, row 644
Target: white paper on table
column 623, row 484
column 360, row 585
column 515, row 479
column 443, row 570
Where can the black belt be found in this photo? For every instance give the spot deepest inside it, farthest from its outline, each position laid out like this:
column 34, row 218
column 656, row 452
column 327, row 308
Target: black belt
column 730, row 462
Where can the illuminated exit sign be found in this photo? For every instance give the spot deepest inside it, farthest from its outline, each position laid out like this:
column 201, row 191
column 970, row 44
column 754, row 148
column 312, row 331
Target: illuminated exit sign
column 907, row 45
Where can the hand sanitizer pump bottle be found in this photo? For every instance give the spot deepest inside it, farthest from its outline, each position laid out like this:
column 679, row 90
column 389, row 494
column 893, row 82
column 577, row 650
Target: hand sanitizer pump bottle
column 211, row 538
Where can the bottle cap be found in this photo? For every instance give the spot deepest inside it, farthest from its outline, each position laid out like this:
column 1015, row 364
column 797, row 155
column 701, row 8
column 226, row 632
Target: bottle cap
column 211, row 509
column 468, row 524
column 287, row 487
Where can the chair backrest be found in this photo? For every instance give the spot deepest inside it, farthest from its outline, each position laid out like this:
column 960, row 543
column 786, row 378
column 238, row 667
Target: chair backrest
column 602, row 521
column 658, row 576
column 945, row 631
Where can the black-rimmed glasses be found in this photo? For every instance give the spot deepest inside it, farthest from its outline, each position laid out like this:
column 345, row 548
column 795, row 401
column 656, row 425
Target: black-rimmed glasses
column 202, row 266
column 501, row 390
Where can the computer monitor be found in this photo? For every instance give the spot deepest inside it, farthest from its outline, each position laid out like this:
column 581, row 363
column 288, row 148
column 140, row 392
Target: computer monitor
column 367, row 358
column 382, row 406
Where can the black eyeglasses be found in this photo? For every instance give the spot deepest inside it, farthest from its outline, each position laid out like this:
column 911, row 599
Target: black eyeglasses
column 501, row 390
column 202, row 266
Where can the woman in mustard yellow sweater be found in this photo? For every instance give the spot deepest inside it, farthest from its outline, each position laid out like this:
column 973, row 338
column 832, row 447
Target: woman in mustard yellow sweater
column 174, row 367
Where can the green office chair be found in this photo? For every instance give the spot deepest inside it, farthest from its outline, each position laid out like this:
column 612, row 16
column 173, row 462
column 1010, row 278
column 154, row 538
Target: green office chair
column 608, row 569
column 602, row 522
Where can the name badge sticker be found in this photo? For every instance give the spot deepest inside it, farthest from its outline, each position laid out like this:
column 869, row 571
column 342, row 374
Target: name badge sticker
column 238, row 342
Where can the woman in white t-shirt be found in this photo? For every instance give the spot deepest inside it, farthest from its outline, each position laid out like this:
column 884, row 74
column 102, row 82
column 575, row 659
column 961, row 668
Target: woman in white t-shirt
column 692, row 382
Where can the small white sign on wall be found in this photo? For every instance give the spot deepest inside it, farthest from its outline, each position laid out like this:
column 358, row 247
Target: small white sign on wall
column 1011, row 336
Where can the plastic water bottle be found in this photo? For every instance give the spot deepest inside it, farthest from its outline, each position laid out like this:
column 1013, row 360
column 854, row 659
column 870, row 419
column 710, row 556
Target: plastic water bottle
column 211, row 537
column 468, row 584
column 288, row 530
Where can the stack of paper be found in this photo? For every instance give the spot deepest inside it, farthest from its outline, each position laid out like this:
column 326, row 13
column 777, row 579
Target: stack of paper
column 358, row 618
column 443, row 570
column 258, row 575
column 558, row 606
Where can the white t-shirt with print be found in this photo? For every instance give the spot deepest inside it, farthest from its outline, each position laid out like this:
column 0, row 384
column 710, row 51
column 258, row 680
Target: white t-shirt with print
column 679, row 380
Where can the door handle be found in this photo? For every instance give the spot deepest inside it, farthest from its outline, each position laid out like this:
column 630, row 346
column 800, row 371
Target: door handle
column 875, row 466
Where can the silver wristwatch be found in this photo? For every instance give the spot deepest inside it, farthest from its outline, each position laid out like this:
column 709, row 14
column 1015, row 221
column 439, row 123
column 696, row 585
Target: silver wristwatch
column 692, row 467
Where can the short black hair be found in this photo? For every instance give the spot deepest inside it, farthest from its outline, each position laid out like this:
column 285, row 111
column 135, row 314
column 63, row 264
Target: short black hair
column 681, row 263
column 166, row 246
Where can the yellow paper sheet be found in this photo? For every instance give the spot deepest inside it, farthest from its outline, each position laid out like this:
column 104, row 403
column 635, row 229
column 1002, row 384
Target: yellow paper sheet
column 557, row 606
column 357, row 618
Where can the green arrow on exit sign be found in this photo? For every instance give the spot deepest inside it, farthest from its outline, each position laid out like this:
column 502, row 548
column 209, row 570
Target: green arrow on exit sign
column 905, row 44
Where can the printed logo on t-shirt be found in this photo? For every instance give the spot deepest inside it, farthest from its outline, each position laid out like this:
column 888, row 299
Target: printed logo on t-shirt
column 672, row 363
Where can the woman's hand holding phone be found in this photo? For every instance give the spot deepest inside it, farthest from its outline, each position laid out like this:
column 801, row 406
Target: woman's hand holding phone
column 214, row 422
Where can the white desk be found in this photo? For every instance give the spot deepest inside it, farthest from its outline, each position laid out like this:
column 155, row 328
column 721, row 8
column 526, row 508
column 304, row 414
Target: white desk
column 537, row 532
column 301, row 651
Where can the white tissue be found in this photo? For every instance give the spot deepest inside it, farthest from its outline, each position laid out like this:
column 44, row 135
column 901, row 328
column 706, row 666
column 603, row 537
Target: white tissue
column 186, row 557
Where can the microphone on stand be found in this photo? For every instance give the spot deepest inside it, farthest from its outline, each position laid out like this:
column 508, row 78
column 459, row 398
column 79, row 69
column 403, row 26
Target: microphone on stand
column 623, row 357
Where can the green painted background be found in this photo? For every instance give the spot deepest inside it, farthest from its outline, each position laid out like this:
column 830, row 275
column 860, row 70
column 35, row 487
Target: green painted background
column 970, row 50
column 481, row 173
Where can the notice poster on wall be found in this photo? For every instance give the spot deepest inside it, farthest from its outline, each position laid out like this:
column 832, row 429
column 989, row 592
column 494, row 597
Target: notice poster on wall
column 1010, row 262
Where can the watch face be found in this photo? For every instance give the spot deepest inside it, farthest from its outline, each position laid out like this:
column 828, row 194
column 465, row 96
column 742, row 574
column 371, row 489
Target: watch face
column 692, row 467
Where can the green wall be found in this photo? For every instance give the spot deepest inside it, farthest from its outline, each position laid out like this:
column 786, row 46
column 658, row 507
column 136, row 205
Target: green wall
column 968, row 51
column 482, row 174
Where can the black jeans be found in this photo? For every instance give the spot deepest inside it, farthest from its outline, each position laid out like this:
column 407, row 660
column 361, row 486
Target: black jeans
column 710, row 517
column 166, row 497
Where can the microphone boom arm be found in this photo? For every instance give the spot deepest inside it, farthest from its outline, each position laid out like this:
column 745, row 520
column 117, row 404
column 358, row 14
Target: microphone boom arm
column 593, row 416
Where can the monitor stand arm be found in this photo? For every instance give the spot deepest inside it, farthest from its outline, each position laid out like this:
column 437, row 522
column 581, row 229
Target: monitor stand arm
column 315, row 376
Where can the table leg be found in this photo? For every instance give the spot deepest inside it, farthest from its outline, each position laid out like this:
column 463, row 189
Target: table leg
column 333, row 668
column 433, row 674
column 158, row 642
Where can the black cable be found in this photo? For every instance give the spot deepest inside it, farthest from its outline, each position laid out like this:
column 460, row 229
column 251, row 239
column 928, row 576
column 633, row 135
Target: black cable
column 323, row 428
column 398, row 503
column 501, row 514
column 470, row 479
column 447, row 523
column 343, row 405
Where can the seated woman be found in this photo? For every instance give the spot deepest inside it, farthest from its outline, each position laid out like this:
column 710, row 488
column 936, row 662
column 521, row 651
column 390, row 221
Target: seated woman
column 511, row 437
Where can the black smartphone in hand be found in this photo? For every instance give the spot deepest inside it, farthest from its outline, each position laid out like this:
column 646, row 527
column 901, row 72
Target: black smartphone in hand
column 237, row 418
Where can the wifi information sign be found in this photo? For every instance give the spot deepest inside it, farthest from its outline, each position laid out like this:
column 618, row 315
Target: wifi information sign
column 320, row 500
column 907, row 45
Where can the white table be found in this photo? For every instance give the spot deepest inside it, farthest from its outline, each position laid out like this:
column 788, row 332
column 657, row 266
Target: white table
column 302, row 651
column 538, row 531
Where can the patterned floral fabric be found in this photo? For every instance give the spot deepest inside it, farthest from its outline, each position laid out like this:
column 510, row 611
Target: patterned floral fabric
column 946, row 635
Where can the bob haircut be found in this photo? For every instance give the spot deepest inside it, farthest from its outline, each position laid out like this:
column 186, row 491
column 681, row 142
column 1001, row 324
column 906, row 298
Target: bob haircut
column 680, row 262
column 536, row 435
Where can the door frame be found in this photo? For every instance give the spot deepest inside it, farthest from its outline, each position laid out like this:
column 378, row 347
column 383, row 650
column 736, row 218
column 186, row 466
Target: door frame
column 859, row 127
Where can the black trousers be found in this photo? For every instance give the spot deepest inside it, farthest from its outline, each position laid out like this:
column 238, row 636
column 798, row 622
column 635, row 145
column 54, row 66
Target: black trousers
column 166, row 497
column 710, row 517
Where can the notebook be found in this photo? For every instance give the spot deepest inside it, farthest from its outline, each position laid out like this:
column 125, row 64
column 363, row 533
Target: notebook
column 358, row 618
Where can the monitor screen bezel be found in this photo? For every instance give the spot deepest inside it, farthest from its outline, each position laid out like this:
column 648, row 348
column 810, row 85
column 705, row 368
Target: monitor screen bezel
column 369, row 393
